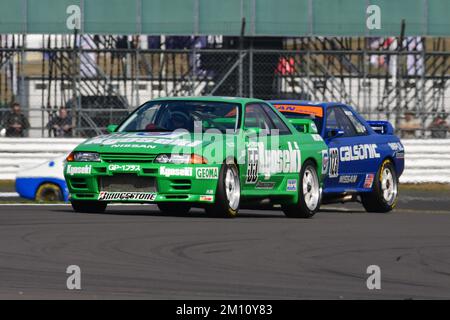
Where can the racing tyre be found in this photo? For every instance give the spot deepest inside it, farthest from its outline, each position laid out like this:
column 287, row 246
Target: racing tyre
column 309, row 194
column 48, row 192
column 89, row 206
column 174, row 208
column 228, row 193
column 384, row 194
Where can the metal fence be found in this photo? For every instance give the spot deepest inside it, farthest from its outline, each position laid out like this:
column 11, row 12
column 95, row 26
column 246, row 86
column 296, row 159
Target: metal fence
column 100, row 83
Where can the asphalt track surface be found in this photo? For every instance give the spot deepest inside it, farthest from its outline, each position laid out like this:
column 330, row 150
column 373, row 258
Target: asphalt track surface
column 136, row 252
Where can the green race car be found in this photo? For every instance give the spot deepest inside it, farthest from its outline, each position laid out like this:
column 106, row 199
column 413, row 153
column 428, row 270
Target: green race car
column 217, row 153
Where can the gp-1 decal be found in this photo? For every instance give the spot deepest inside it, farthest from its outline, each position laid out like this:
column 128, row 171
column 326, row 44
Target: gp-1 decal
column 124, row 167
column 126, row 196
column 207, row 173
column 84, row 170
column 316, row 137
column 177, row 172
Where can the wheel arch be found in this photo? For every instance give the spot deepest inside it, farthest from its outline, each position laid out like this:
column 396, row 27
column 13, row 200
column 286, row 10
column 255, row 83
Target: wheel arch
column 61, row 189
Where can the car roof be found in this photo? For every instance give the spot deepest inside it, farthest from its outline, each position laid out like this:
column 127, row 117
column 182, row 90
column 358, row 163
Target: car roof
column 240, row 100
column 308, row 103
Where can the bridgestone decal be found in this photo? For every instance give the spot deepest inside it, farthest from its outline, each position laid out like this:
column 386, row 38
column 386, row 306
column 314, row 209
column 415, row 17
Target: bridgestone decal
column 126, row 196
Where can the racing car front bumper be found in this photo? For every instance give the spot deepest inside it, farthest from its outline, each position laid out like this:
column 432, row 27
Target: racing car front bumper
column 141, row 182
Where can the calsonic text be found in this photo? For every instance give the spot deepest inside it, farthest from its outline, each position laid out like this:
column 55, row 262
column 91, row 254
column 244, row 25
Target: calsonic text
column 358, row 152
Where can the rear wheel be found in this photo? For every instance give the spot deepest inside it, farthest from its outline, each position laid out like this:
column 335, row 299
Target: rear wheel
column 48, row 192
column 89, row 206
column 384, row 194
column 309, row 194
column 171, row 208
column 228, row 193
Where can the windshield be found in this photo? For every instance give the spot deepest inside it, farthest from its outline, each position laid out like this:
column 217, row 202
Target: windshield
column 192, row 116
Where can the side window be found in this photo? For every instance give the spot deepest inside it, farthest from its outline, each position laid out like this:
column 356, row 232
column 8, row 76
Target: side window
column 359, row 127
column 344, row 123
column 255, row 117
column 277, row 121
column 331, row 119
column 336, row 119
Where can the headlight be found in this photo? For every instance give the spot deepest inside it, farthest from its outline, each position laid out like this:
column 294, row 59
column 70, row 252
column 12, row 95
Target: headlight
column 180, row 159
column 83, row 157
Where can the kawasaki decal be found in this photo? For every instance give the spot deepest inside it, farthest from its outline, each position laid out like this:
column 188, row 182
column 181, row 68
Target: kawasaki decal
column 180, row 172
column 85, row 170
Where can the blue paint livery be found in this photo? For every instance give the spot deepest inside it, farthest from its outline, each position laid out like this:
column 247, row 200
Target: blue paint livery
column 379, row 133
column 27, row 187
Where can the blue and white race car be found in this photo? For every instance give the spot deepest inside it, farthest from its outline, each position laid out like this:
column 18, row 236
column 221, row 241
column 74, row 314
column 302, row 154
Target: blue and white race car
column 365, row 158
column 44, row 182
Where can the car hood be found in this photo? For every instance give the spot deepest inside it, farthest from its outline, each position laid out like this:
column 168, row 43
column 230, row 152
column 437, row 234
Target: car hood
column 146, row 142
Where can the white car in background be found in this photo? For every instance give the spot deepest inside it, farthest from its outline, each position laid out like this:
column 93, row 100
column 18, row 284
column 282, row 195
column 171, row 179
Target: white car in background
column 44, row 182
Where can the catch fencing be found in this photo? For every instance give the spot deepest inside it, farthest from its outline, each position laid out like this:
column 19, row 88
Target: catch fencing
column 427, row 161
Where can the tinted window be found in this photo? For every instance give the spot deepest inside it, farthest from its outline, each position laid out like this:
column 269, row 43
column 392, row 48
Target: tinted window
column 277, row 121
column 359, row 126
column 177, row 114
column 255, row 117
column 336, row 119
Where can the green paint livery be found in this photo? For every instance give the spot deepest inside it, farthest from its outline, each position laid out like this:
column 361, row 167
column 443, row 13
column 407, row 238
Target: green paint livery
column 245, row 153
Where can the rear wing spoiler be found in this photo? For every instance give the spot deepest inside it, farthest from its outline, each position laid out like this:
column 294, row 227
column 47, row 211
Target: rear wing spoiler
column 304, row 125
column 381, row 127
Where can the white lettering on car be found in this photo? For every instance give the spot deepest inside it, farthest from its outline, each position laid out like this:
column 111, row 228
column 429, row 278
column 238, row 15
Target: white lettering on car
column 85, row 170
column 180, row 172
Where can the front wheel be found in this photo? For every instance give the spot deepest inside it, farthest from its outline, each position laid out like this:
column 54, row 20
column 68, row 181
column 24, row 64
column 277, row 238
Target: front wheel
column 384, row 194
column 228, row 193
column 89, row 206
column 309, row 194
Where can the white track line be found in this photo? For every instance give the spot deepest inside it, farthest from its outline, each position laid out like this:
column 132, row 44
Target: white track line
column 8, row 194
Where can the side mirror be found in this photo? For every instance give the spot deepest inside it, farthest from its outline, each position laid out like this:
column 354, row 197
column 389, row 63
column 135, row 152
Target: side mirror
column 334, row 133
column 112, row 128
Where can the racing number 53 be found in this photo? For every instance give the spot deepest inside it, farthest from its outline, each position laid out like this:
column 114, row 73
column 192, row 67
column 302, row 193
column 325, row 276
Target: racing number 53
column 252, row 165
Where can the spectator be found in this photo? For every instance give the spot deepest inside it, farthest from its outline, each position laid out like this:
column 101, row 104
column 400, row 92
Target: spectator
column 409, row 125
column 15, row 122
column 61, row 125
column 439, row 127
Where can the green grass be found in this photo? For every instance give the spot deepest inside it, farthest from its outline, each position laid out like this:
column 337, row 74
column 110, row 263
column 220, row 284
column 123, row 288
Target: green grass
column 430, row 187
column 7, row 186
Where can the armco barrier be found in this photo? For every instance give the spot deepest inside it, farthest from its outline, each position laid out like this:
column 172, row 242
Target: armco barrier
column 426, row 160
column 17, row 152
